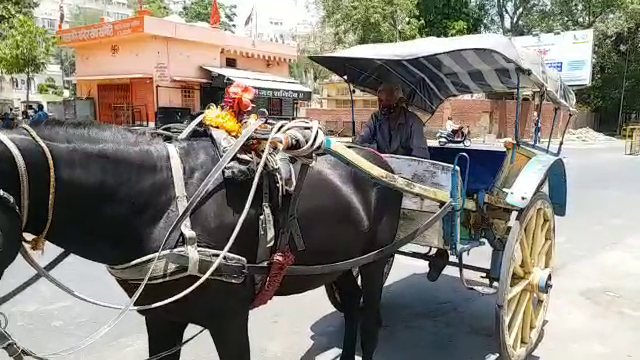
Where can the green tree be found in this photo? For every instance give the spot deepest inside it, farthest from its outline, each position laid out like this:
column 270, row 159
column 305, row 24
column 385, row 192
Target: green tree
column 25, row 48
column 452, row 17
column 10, row 9
column 158, row 8
column 582, row 14
column 80, row 16
column 616, row 24
column 304, row 70
column 519, row 17
column 354, row 22
column 200, row 10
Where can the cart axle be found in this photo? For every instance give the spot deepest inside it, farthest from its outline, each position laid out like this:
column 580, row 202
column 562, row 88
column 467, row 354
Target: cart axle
column 429, row 258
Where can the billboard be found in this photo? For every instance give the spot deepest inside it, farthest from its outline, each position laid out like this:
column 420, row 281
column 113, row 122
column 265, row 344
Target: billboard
column 570, row 53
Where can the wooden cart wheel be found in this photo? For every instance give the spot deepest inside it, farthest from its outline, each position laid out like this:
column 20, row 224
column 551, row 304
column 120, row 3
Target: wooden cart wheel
column 332, row 290
column 525, row 279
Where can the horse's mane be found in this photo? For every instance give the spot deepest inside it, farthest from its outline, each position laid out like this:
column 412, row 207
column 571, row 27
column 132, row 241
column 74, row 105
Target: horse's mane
column 89, row 132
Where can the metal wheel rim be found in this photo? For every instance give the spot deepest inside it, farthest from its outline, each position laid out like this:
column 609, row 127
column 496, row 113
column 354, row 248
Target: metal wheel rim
column 522, row 304
column 466, row 142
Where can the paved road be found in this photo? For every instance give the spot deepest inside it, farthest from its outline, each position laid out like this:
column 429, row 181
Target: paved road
column 595, row 312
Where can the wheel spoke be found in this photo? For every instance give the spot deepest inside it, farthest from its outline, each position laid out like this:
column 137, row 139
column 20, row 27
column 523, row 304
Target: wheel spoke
column 517, row 289
column 542, row 300
column 542, row 255
column 517, row 341
column 538, row 236
column 511, row 307
column 518, row 271
column 526, row 259
column 526, row 324
column 515, row 326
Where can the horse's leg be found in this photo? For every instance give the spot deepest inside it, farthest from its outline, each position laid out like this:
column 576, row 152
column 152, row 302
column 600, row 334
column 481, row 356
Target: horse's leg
column 231, row 336
column 372, row 283
column 350, row 295
column 163, row 335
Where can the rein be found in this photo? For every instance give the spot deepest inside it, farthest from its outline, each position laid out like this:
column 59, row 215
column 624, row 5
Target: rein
column 37, row 243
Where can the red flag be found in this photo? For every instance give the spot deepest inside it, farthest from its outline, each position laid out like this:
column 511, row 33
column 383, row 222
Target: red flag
column 215, row 14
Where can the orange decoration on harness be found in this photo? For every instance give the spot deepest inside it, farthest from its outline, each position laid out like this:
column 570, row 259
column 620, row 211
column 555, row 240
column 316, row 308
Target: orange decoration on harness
column 228, row 117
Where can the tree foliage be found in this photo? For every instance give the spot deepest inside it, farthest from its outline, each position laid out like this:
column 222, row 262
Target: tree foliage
column 313, row 43
column 367, row 21
column 10, row 9
column 158, row 8
column 25, row 48
column 80, row 16
column 200, row 10
column 452, row 17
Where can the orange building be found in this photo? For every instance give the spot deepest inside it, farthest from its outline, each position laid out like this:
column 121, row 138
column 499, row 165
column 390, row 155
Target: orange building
column 145, row 68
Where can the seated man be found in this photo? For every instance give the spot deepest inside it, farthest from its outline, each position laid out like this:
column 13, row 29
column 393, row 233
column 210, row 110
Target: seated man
column 40, row 118
column 393, row 129
column 452, row 127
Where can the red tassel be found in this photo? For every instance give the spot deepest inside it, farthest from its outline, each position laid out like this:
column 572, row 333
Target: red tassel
column 281, row 261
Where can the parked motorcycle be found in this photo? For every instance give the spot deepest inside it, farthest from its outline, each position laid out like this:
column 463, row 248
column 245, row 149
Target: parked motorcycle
column 445, row 137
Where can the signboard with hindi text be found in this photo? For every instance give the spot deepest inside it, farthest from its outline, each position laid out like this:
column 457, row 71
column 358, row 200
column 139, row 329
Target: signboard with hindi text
column 569, row 53
column 283, row 94
column 102, row 31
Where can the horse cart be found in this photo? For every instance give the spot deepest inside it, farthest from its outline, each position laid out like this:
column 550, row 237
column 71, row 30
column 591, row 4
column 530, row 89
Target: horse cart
column 469, row 197
column 505, row 198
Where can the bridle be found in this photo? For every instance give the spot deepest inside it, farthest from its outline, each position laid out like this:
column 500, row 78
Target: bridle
column 37, row 243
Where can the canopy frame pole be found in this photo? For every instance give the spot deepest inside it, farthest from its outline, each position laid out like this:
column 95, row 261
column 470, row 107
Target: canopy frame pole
column 553, row 127
column 353, row 113
column 517, row 127
column 537, row 130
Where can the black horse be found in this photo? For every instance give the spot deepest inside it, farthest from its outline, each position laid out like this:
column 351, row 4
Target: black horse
column 115, row 201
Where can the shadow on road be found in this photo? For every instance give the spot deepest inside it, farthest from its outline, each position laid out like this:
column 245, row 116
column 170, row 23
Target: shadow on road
column 32, row 280
column 423, row 320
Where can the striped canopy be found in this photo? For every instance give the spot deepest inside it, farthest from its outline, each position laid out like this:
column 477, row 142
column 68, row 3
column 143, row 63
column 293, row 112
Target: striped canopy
column 432, row 69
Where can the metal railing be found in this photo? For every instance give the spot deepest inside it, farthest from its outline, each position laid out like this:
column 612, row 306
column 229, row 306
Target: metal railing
column 632, row 140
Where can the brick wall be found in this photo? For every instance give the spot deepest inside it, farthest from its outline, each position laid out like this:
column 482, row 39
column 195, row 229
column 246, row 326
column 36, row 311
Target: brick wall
column 482, row 116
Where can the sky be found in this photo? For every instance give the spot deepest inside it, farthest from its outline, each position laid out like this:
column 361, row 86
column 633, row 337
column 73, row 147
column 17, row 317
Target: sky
column 290, row 11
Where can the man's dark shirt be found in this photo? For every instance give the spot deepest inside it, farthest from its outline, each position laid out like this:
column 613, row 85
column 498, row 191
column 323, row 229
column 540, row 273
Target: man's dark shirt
column 403, row 136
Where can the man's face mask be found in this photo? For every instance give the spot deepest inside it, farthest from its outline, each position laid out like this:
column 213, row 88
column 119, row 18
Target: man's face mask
column 387, row 101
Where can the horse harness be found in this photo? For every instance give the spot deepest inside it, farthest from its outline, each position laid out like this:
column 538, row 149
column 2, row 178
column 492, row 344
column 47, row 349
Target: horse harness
column 190, row 259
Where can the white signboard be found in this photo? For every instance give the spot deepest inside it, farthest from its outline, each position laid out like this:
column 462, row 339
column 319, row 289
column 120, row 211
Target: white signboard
column 570, row 53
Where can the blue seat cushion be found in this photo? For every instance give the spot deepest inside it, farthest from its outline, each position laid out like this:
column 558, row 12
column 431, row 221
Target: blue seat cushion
column 484, row 165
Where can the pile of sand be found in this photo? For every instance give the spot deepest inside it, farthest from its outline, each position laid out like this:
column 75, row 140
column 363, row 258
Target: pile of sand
column 587, row 135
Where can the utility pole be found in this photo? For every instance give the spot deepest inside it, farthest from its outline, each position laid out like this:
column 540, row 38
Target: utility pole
column 624, row 84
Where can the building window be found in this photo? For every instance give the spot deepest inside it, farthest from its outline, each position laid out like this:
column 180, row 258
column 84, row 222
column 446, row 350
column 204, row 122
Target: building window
column 189, row 99
column 50, row 24
column 342, row 91
column 343, row 103
column 275, row 107
column 231, row 62
column 370, row 103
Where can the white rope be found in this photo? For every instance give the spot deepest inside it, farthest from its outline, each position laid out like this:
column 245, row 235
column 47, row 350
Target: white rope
column 311, row 145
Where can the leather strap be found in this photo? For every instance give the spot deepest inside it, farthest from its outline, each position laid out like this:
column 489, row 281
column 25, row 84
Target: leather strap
column 385, row 252
column 290, row 225
column 190, row 238
column 23, row 175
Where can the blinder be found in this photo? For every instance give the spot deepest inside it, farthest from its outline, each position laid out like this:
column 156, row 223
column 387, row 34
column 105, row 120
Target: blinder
column 7, row 200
